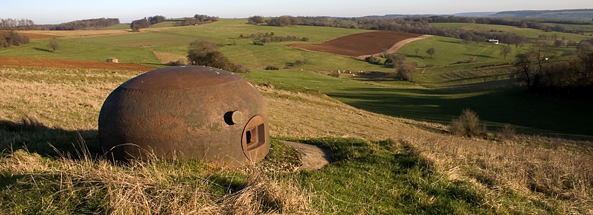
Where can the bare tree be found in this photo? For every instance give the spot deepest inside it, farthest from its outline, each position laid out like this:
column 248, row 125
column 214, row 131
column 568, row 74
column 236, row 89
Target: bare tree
column 524, row 67
column 505, row 50
column 584, row 47
column 416, row 50
column 431, row 52
column 558, row 43
column 406, row 71
column 54, row 45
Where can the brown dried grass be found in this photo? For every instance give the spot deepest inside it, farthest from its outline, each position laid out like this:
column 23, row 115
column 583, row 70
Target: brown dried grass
column 39, row 34
column 166, row 58
column 554, row 171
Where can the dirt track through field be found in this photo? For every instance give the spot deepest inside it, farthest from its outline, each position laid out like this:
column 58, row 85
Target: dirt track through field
column 398, row 45
column 71, row 64
column 362, row 45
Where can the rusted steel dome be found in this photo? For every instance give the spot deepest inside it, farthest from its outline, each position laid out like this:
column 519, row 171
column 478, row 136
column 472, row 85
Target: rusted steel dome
column 190, row 112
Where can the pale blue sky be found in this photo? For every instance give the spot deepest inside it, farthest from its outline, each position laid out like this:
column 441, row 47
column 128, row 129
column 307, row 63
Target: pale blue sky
column 58, row 11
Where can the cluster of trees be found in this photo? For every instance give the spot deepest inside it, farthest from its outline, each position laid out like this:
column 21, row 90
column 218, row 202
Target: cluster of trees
column 269, row 37
column 405, row 70
column 256, row 20
column 283, row 39
column 146, row 22
column 197, row 20
column 140, row 23
column 571, row 78
column 409, row 25
column 156, row 19
column 86, row 24
column 205, row 53
column 11, row 38
column 257, row 35
column 16, row 24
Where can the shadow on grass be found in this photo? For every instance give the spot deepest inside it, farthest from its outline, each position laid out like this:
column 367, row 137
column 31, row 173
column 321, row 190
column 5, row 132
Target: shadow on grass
column 33, row 136
column 496, row 106
column 42, row 49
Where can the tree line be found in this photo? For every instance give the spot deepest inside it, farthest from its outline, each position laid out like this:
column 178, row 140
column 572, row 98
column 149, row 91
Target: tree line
column 521, row 23
column 270, row 37
column 146, row 22
column 12, row 38
column 205, row 53
column 85, row 24
column 198, row 19
column 408, row 25
column 16, row 24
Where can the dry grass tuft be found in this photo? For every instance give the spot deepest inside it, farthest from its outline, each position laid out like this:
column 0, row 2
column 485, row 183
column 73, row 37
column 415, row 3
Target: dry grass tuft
column 263, row 195
column 151, row 188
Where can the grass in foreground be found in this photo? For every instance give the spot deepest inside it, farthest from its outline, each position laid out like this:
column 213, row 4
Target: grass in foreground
column 33, row 184
column 524, row 175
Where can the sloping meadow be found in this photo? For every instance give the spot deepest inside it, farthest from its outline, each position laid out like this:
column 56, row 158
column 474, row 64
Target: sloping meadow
column 51, row 162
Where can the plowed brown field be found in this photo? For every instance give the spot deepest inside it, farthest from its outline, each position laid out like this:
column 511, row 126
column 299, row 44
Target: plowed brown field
column 35, row 36
column 361, row 44
column 71, row 64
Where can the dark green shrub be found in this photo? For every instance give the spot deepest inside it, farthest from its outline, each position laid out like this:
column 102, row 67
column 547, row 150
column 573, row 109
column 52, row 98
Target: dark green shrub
column 272, row 68
column 373, row 60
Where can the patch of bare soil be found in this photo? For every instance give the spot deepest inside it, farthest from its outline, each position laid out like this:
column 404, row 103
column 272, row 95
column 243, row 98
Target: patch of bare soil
column 36, row 36
column 71, row 64
column 363, row 44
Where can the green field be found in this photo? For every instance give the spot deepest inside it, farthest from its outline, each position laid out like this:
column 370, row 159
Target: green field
column 118, row 27
column 147, row 39
column 80, row 50
column 450, row 51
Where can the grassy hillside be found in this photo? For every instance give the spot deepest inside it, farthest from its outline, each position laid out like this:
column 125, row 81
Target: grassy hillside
column 118, row 27
column 381, row 164
column 451, row 51
column 495, row 105
column 80, row 50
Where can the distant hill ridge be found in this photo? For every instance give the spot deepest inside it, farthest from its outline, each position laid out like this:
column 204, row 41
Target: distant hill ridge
column 558, row 14
column 583, row 14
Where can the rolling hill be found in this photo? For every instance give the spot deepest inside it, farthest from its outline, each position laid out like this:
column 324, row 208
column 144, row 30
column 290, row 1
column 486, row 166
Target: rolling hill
column 392, row 149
